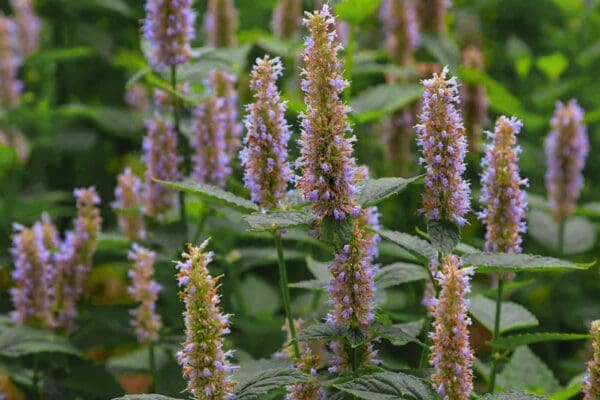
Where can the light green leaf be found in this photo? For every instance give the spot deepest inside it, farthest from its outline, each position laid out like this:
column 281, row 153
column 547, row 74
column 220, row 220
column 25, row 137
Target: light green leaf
column 319, row 269
column 383, row 99
column 511, row 262
column 398, row 273
column 267, row 381
column 212, row 194
column 136, row 361
column 19, row 341
column 259, row 296
column 356, row 11
column 443, row 49
column 520, row 54
column 277, row 220
column 500, row 99
column 514, row 341
column 525, row 371
column 416, row 246
column 399, row 334
column 512, row 395
column 388, row 386
column 374, row 191
column 514, row 316
column 552, row 65
column 444, row 235
column 58, row 54
column 579, row 235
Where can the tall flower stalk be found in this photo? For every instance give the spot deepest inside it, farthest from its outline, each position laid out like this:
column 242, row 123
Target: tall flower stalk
column 28, row 24
column 287, row 19
column 591, row 381
column 129, row 197
column 220, row 23
column 205, row 364
column 10, row 86
column 567, row 148
column 475, row 102
column 432, row 15
column 222, row 85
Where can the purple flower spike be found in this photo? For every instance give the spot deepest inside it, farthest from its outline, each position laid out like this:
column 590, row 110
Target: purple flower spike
column 505, row 200
column 220, row 23
column 287, row 18
column 162, row 162
column 144, row 289
column 432, row 15
column 401, row 28
column 222, row 85
column 28, row 24
column 129, row 197
column 264, row 156
column 591, row 385
column 441, row 137
column 567, row 149
column 475, row 101
column 326, row 155
column 451, row 355
column 205, row 364
column 169, row 29
column 10, row 86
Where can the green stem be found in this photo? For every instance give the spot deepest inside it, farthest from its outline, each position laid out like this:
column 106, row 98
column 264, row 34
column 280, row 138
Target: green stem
column 285, row 293
column 561, row 238
column 349, row 59
column 183, row 148
column 152, row 367
column 496, row 333
column 36, row 377
column 354, row 357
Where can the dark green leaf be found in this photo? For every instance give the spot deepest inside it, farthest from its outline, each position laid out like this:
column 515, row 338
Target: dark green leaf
column 374, row 191
column 398, row 273
column 514, row 341
column 388, row 386
column 337, row 232
column 399, row 334
column 512, row 395
column 212, row 194
column 416, row 246
column 514, row 316
column 579, row 235
column 278, row 220
column 511, row 262
column 267, row 381
column 18, row 341
column 525, row 371
column 444, row 235
column 135, row 361
column 320, row 331
column 383, row 99
column 356, row 337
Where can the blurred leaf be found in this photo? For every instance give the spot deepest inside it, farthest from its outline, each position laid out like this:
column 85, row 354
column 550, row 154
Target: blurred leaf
column 87, row 380
column 520, row 54
column 231, row 59
column 552, row 65
column 267, row 381
column 388, row 386
column 136, row 361
column 212, row 194
column 8, row 158
column 383, row 99
column 19, row 341
column 514, row 316
column 511, row 262
column 319, row 269
column 525, row 371
column 260, row 297
column 512, row 395
column 443, row 49
column 398, row 273
column 514, row 341
column 417, row 247
column 356, row 11
column 399, row 334
column 145, row 397
column 259, row 256
column 579, row 235
column 374, row 191
column 277, row 220
column 57, row 55
column 444, row 235
column 500, row 99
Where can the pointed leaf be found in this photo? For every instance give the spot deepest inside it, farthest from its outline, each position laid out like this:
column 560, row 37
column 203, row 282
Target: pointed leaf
column 374, row 191
column 514, row 341
column 320, row 332
column 383, row 99
column 514, row 316
column 525, row 371
column 399, row 273
column 278, row 220
column 18, row 341
column 579, row 235
column 511, row 262
column 400, row 334
column 388, row 386
column 267, row 381
column 444, row 235
column 416, row 246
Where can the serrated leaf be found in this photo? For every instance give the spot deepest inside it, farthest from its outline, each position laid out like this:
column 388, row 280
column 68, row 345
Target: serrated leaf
column 514, row 341
column 444, row 235
column 19, row 341
column 512, row 395
column 247, row 369
column 388, row 386
column 145, row 397
column 579, row 235
column 416, row 246
column 337, row 232
column 399, row 334
column 278, row 220
column 514, row 316
column 399, row 273
column 511, row 262
column 212, row 194
column 320, row 331
column 374, row 191
column 356, row 11
column 267, row 381
column 381, row 100
column 525, row 371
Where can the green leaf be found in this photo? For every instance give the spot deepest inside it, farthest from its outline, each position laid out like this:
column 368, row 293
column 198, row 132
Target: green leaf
column 321, row 331
column 212, row 194
column 512, row 395
column 267, row 381
column 416, row 246
column 525, row 371
column 374, row 191
column 278, row 220
column 514, row 316
column 319, row 269
column 381, row 100
column 398, row 273
column 388, row 386
column 443, row 49
column 259, row 296
column 514, row 341
column 511, row 262
column 247, row 369
column 138, row 360
column 579, row 235
column 337, row 232
column 356, row 11
column 19, row 341
column 57, row 54
column 399, row 334
column 500, row 99
column 552, row 65
column 145, row 397
column 520, row 54
column 444, row 235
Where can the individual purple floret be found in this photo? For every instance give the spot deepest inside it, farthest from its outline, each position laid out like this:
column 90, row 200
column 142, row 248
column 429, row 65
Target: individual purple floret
column 129, row 198
column 221, row 84
column 28, row 24
column 441, row 137
column 168, row 30
column 401, row 29
column 502, row 194
column 210, row 159
column 326, row 161
column 451, row 355
column 220, row 23
column 264, row 156
column 162, row 162
column 10, row 86
column 287, row 19
column 144, row 289
column 567, row 149
column 591, row 381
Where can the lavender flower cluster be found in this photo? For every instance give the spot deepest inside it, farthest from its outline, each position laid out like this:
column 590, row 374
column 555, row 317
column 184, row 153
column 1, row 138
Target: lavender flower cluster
column 401, row 29
column 443, row 144
column 591, row 381
column 129, row 195
column 220, row 23
column 567, row 148
column 502, row 193
column 221, row 85
column 474, row 99
column 264, row 156
column 10, row 86
column 205, row 364
column 287, row 18
column 169, row 29
column 144, row 289
column 29, row 26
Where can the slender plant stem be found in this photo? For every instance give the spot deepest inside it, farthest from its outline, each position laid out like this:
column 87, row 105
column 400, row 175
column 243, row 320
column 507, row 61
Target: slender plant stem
column 354, row 357
column 36, row 377
column 152, row 367
column 349, row 59
column 496, row 333
column 285, row 293
column 183, row 148
column 561, row 238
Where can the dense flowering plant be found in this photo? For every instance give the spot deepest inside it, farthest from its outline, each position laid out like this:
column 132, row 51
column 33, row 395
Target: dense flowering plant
column 591, row 387
column 129, row 195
